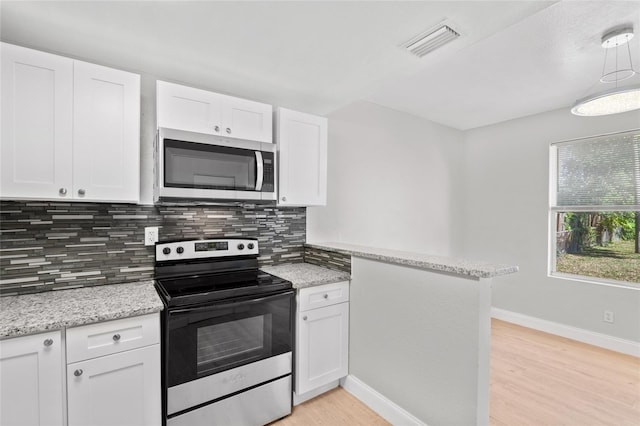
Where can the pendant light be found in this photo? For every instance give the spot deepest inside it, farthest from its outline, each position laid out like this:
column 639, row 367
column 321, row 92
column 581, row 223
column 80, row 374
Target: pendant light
column 616, row 99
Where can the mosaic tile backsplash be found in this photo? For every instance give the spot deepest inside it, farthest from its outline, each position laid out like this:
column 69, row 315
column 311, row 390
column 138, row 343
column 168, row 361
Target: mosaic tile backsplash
column 53, row 245
column 328, row 259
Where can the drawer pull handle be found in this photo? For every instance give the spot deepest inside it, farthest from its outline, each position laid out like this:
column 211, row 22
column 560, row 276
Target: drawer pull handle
column 304, row 318
column 78, row 372
column 48, row 342
column 326, row 296
column 116, row 337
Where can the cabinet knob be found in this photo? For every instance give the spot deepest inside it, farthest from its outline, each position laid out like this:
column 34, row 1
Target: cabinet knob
column 63, row 191
column 326, row 296
column 116, row 337
column 48, row 342
column 78, row 372
column 81, row 191
column 284, row 198
column 228, row 130
column 216, row 128
column 304, row 318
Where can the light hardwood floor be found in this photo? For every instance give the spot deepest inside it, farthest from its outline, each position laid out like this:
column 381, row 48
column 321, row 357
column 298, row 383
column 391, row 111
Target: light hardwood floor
column 336, row 407
column 542, row 379
column 536, row 379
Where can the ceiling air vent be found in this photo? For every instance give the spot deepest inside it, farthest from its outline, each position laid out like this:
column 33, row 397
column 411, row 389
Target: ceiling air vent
column 430, row 40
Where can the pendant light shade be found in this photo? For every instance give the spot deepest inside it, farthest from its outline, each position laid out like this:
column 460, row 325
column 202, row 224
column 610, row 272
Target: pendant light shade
column 616, row 99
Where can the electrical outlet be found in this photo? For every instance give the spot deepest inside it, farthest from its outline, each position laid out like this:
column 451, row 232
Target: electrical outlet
column 150, row 235
column 608, row 317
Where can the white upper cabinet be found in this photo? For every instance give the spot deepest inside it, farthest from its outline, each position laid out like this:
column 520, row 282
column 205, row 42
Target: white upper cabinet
column 37, row 122
column 244, row 119
column 186, row 108
column 302, row 158
column 106, row 134
column 70, row 130
column 201, row 111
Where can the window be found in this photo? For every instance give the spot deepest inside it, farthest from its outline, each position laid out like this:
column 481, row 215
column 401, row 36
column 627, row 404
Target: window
column 595, row 208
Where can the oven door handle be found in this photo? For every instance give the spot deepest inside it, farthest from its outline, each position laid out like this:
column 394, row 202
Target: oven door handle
column 222, row 306
column 259, row 171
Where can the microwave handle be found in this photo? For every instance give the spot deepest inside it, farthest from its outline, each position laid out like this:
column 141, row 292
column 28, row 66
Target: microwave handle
column 259, row 171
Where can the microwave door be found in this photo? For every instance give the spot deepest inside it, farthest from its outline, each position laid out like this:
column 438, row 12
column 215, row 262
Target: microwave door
column 209, row 167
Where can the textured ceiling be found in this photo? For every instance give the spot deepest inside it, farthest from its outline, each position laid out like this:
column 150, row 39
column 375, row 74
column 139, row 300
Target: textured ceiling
column 514, row 57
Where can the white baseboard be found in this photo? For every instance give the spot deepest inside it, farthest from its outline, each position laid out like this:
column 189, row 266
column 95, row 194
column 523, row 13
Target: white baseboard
column 388, row 410
column 616, row 344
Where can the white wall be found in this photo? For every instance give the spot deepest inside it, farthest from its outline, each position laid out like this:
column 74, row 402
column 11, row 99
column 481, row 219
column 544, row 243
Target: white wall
column 402, row 182
column 421, row 339
column 505, row 207
column 392, row 179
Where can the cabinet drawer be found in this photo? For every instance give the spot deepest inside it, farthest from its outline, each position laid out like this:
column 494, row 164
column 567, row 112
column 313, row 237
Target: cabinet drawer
column 105, row 338
column 323, row 295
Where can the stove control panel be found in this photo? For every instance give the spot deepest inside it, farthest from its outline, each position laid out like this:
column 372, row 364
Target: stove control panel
column 201, row 249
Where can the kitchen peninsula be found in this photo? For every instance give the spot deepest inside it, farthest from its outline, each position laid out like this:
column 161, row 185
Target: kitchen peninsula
column 420, row 334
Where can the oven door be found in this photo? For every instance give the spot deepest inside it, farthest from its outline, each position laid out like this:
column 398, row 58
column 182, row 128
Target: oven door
column 205, row 340
column 199, row 166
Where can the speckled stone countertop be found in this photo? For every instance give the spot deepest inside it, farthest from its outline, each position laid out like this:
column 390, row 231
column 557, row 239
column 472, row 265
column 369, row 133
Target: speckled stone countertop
column 53, row 310
column 472, row 269
column 306, row 275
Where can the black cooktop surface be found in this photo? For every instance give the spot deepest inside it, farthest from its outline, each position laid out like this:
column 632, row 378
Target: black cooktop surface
column 203, row 288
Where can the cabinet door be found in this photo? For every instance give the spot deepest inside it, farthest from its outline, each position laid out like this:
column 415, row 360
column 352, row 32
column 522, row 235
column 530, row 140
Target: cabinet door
column 186, row 108
column 323, row 346
column 35, row 146
column 244, row 119
column 31, row 390
column 106, row 134
column 302, row 150
column 120, row 389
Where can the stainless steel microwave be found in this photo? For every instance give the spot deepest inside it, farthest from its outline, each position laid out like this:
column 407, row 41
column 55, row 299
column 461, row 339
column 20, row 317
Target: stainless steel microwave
column 198, row 166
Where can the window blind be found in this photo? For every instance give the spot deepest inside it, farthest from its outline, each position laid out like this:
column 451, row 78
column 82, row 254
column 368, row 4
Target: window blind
column 599, row 173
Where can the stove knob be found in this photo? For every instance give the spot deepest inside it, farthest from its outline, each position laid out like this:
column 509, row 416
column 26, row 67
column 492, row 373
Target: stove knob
column 180, row 250
column 250, row 246
column 240, row 246
column 166, row 250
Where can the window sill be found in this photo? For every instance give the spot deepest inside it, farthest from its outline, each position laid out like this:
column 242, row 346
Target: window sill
column 593, row 280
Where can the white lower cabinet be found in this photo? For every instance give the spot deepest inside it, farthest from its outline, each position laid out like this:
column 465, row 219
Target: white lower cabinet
column 113, row 375
column 322, row 336
column 112, row 378
column 31, row 386
column 120, row 389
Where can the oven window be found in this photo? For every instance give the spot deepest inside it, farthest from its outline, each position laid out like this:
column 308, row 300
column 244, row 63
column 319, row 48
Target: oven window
column 196, row 165
column 225, row 343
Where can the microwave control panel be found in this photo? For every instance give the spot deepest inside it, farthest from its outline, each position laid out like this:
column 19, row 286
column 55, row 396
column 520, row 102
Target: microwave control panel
column 269, row 172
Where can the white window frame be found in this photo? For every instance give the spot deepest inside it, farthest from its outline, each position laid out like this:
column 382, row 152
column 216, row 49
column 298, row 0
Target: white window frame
column 553, row 210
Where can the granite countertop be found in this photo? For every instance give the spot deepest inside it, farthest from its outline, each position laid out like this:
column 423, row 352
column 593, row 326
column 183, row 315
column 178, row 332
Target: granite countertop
column 53, row 310
column 472, row 269
column 306, row 275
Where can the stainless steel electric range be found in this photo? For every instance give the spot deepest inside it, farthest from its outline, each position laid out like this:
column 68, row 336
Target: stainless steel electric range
column 227, row 334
